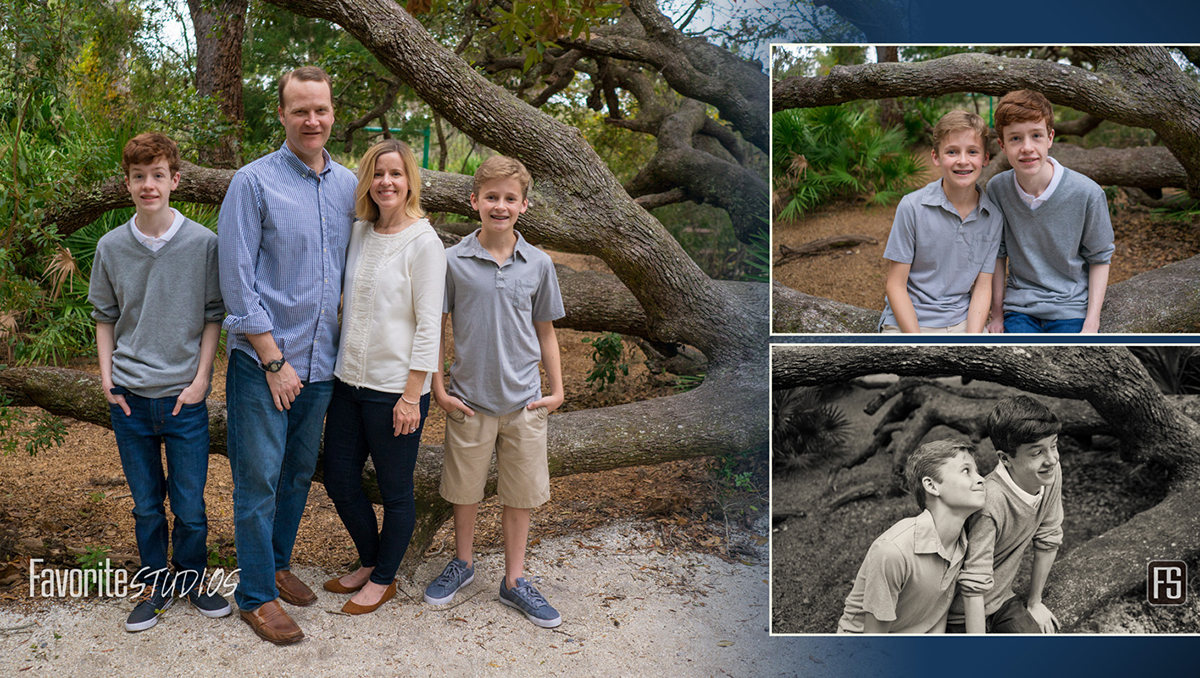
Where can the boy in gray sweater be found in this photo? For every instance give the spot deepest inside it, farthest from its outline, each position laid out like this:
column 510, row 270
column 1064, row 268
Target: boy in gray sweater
column 158, row 312
column 1058, row 239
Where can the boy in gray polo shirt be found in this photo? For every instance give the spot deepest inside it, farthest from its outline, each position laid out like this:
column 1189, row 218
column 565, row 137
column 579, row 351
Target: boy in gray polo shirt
column 503, row 296
column 907, row 580
column 942, row 247
column 1058, row 238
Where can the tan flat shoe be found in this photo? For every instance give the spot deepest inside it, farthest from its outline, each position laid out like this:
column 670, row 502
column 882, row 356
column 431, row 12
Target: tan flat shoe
column 352, row 607
column 335, row 586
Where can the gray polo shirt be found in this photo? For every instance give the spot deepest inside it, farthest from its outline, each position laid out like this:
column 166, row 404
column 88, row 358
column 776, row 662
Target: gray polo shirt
column 493, row 307
column 946, row 253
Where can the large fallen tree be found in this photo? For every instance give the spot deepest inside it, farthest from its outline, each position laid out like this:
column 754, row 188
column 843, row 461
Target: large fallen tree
column 657, row 292
column 1109, row 379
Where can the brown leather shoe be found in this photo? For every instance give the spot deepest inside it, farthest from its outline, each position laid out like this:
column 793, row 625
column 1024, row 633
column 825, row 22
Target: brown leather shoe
column 272, row 624
column 335, row 586
column 292, row 590
column 352, row 607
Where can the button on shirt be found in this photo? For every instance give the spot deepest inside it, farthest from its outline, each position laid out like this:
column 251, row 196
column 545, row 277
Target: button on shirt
column 907, row 578
column 283, row 232
column 494, row 306
column 1037, row 202
column 153, row 243
column 945, row 252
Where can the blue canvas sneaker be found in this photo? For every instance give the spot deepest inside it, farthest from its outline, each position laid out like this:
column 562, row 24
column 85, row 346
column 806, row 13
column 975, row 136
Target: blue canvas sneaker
column 456, row 575
column 527, row 599
column 153, row 601
column 209, row 604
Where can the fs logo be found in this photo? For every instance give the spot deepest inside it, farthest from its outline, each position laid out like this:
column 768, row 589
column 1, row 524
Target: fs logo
column 1166, row 582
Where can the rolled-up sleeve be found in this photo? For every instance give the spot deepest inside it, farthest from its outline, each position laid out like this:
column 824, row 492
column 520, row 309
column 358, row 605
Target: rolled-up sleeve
column 239, row 233
column 1049, row 534
column 1096, row 245
column 214, row 305
column 428, row 292
column 101, row 294
column 977, row 577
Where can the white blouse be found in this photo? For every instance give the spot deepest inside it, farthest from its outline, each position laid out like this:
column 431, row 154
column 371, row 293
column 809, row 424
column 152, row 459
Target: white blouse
column 391, row 306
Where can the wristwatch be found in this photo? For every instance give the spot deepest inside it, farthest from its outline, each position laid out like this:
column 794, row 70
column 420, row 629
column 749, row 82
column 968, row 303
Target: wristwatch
column 273, row 366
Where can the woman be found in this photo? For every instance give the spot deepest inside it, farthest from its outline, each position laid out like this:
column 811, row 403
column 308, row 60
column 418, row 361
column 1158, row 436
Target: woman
column 391, row 325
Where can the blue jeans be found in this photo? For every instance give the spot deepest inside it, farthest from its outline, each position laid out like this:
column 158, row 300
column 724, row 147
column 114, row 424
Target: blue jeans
column 360, row 425
column 1020, row 323
column 140, row 438
column 272, row 455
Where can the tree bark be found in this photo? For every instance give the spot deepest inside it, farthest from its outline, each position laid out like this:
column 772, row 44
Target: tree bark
column 1107, row 377
column 1145, row 167
column 1137, row 86
column 1163, row 300
column 698, row 423
column 219, row 29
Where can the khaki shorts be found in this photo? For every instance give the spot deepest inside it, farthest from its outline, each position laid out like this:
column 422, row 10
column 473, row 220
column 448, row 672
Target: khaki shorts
column 519, row 440
column 960, row 328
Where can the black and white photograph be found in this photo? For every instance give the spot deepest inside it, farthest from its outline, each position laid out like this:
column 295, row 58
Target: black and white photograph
column 984, row 489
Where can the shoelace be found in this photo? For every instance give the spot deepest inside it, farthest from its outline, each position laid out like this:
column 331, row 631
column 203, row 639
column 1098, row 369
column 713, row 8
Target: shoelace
column 453, row 572
column 526, row 591
column 146, row 595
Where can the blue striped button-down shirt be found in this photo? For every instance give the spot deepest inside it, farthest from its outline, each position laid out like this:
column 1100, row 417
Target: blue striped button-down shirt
column 283, row 232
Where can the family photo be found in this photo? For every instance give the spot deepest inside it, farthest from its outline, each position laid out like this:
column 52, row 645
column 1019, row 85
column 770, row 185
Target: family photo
column 982, row 489
column 992, row 189
column 277, row 292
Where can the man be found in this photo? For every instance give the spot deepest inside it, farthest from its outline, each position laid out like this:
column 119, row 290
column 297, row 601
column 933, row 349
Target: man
column 282, row 231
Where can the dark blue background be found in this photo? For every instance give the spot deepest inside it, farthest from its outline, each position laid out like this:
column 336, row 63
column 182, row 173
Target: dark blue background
column 1022, row 21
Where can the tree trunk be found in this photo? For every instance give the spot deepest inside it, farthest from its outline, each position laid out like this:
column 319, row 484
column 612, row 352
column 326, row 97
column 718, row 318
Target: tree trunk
column 1163, row 300
column 219, row 28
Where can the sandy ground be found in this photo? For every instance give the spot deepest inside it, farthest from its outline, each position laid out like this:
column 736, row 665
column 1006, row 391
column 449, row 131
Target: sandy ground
column 627, row 610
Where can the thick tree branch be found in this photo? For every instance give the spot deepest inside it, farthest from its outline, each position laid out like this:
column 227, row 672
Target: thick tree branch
column 1138, row 86
column 1107, row 377
column 592, row 213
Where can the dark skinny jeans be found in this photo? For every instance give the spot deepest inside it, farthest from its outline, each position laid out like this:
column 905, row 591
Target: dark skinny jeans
column 359, row 424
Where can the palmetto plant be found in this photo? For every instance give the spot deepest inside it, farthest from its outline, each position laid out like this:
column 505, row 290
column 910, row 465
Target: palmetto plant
column 834, row 152
column 805, row 429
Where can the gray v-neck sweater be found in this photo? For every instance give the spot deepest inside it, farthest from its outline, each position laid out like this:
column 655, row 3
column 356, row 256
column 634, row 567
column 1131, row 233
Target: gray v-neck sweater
column 1050, row 249
column 158, row 303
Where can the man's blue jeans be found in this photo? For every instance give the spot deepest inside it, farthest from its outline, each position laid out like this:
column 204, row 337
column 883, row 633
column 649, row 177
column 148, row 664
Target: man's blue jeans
column 1015, row 323
column 272, row 455
column 140, row 438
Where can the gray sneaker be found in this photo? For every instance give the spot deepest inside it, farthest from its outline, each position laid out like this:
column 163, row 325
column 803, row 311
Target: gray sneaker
column 456, row 575
column 527, row 599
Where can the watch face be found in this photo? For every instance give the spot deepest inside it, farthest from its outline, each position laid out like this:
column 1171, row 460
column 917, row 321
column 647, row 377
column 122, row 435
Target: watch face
column 273, row 366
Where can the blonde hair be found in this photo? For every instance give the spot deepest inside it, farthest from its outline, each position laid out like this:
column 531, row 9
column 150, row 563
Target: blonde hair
column 957, row 121
column 502, row 167
column 364, row 205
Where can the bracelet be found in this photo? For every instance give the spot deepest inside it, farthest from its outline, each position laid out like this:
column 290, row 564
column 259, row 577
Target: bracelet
column 408, row 401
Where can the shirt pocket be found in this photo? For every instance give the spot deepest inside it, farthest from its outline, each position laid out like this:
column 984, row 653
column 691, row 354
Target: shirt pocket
column 522, row 294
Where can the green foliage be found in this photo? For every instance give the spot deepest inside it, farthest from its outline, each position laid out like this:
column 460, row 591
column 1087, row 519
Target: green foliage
column 44, row 432
column 215, row 559
column 687, row 382
column 804, row 429
column 608, row 352
column 93, row 558
column 758, row 258
column 838, row 152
